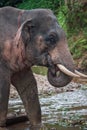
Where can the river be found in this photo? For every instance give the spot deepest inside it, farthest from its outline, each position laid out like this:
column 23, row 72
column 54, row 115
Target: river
column 63, row 111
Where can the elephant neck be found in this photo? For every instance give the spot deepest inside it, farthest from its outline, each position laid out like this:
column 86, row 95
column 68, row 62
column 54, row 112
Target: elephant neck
column 14, row 54
column 18, row 55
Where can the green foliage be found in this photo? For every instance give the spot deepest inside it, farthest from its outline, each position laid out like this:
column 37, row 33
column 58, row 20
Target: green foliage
column 32, row 4
column 62, row 17
column 78, row 45
column 39, row 70
column 76, row 18
column 76, row 22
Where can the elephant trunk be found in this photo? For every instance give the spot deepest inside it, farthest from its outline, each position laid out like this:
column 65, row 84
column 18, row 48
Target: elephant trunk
column 60, row 80
column 64, row 66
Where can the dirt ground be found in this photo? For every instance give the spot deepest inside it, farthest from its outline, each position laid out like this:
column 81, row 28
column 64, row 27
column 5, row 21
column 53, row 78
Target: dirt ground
column 45, row 88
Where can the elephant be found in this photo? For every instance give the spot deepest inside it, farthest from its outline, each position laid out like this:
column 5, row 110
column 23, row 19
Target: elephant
column 28, row 38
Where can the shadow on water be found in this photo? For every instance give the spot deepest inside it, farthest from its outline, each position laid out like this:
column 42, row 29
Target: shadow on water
column 64, row 111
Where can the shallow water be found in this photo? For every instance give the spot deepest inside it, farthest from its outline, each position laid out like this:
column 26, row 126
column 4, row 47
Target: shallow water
column 23, row 126
column 66, row 109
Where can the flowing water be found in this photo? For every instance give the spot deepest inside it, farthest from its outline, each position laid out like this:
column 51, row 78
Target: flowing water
column 64, row 111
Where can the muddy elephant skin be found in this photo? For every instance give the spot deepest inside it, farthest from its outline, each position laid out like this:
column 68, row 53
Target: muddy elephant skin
column 27, row 38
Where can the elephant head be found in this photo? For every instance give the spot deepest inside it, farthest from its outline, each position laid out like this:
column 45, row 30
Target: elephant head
column 45, row 44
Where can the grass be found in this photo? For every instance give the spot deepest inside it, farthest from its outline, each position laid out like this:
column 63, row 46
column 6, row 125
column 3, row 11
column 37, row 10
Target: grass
column 40, row 70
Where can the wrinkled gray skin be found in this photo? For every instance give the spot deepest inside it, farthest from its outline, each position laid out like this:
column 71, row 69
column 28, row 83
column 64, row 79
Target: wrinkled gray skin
column 30, row 38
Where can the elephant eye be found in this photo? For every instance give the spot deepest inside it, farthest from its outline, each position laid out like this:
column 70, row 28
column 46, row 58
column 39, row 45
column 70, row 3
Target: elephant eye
column 51, row 39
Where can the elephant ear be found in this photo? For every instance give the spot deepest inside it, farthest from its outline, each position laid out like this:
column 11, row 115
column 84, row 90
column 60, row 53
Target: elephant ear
column 20, row 41
column 23, row 33
column 26, row 31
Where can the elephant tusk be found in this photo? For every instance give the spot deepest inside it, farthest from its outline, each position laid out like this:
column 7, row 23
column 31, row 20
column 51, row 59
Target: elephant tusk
column 80, row 74
column 66, row 71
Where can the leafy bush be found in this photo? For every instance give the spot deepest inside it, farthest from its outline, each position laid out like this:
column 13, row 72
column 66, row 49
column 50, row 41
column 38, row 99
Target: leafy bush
column 78, row 45
column 76, row 18
column 61, row 16
column 32, row 4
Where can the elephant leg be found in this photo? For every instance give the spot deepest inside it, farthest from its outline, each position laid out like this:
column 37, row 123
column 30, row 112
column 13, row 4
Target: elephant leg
column 4, row 94
column 26, row 86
